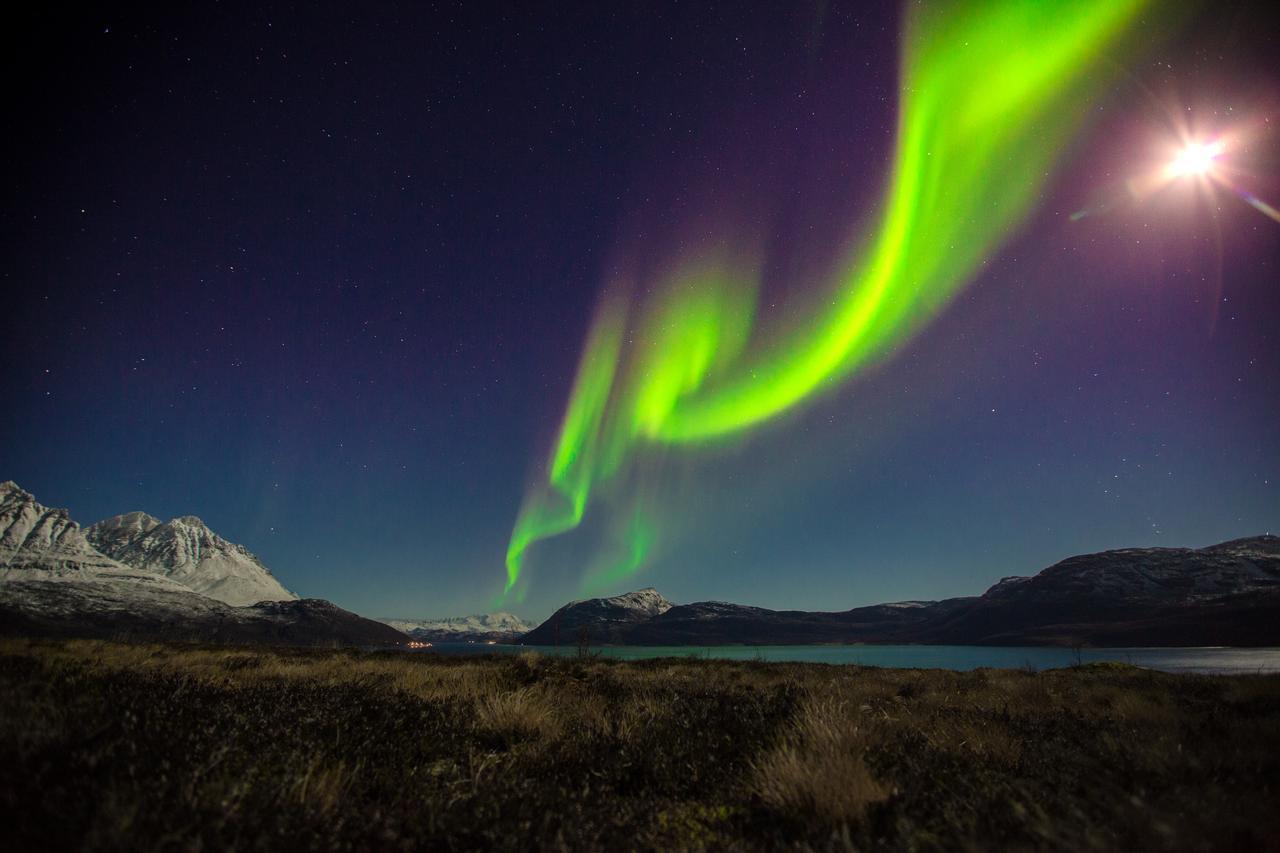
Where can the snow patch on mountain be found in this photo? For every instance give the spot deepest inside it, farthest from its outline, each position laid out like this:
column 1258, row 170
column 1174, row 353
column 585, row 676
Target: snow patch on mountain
column 42, row 544
column 600, row 618
column 462, row 626
column 178, row 581
column 647, row 601
column 185, row 550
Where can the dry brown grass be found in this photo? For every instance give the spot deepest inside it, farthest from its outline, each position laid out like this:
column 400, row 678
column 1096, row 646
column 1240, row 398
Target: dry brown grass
column 333, row 748
column 321, row 787
column 819, row 768
column 516, row 715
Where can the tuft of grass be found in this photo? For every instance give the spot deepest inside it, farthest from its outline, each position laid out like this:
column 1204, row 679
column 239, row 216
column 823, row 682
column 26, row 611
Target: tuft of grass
column 321, row 786
column 517, row 715
column 819, row 768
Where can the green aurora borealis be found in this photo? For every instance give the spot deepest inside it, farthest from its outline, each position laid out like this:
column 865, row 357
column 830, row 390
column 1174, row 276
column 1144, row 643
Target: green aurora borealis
column 990, row 93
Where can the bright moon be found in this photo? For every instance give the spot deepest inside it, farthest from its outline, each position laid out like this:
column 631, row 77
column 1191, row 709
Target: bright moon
column 1195, row 159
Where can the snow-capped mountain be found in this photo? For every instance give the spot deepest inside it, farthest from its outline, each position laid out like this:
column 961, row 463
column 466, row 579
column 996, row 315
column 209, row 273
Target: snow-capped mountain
column 42, row 544
column 479, row 628
column 38, row 543
column 187, row 551
column 178, row 581
column 606, row 619
column 116, row 534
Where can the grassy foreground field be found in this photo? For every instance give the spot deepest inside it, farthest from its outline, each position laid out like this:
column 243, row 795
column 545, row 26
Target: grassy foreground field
column 113, row 746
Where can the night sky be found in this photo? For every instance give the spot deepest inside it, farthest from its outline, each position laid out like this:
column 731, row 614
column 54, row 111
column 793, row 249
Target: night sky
column 322, row 277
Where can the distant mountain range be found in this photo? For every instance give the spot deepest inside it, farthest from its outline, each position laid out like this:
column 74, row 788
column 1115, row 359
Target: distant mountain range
column 1226, row 594
column 480, row 628
column 137, row 577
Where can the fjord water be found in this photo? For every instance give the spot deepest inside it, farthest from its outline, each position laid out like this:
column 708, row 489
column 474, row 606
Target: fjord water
column 1212, row 660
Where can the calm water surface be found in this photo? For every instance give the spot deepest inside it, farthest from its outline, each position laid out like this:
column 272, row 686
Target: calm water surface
column 1203, row 660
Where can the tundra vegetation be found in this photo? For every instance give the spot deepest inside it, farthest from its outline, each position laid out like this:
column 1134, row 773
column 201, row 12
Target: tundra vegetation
column 123, row 746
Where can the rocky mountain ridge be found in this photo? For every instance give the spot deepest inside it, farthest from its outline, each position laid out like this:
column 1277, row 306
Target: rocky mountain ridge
column 1225, row 594
column 176, row 580
column 478, row 628
column 604, row 619
column 185, row 550
column 42, row 543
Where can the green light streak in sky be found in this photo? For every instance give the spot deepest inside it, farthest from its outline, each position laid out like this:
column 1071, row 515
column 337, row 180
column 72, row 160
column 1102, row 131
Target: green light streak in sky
column 991, row 91
column 639, row 538
column 560, row 505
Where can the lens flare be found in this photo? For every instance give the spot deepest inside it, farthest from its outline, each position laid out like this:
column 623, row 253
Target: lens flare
column 991, row 92
column 1195, row 159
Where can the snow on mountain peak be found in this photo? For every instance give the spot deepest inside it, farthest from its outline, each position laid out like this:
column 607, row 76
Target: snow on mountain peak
column 647, row 599
column 36, row 537
column 40, row 544
column 9, row 487
column 477, row 625
column 600, row 617
column 130, row 521
column 187, row 551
